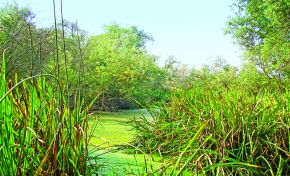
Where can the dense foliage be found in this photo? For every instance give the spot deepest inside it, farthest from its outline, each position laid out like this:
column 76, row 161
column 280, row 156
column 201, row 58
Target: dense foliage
column 18, row 37
column 216, row 120
column 221, row 120
column 114, row 63
column 120, row 67
column 39, row 134
column 262, row 29
column 246, row 132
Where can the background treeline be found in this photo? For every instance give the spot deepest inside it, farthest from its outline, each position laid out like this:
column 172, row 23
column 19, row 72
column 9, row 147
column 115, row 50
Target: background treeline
column 116, row 67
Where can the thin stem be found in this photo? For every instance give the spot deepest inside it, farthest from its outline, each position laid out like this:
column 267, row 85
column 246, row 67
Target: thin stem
column 64, row 51
column 32, row 49
column 56, row 41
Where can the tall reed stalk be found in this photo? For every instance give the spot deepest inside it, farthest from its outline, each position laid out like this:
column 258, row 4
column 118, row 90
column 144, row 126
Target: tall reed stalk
column 36, row 136
column 40, row 134
column 249, row 133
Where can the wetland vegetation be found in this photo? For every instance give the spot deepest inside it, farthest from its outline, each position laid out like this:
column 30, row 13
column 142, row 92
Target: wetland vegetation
column 78, row 104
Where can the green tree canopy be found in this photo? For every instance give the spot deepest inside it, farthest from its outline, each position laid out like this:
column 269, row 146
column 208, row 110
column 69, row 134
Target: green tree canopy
column 119, row 66
column 27, row 47
column 261, row 27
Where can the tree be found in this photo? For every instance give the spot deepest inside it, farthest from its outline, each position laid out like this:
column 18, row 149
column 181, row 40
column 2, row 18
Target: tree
column 16, row 28
column 261, row 27
column 27, row 47
column 118, row 65
column 216, row 75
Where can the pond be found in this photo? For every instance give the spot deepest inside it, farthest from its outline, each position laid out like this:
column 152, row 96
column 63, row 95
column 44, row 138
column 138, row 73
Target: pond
column 112, row 129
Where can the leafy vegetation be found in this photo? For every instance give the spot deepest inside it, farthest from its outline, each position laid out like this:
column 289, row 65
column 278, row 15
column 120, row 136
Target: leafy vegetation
column 120, row 65
column 262, row 29
column 245, row 132
column 215, row 120
column 220, row 120
column 39, row 134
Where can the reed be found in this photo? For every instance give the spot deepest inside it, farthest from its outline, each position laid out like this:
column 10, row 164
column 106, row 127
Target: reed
column 38, row 133
column 246, row 133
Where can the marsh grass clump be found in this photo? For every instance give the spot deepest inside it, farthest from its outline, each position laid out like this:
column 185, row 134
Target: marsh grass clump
column 39, row 134
column 245, row 134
